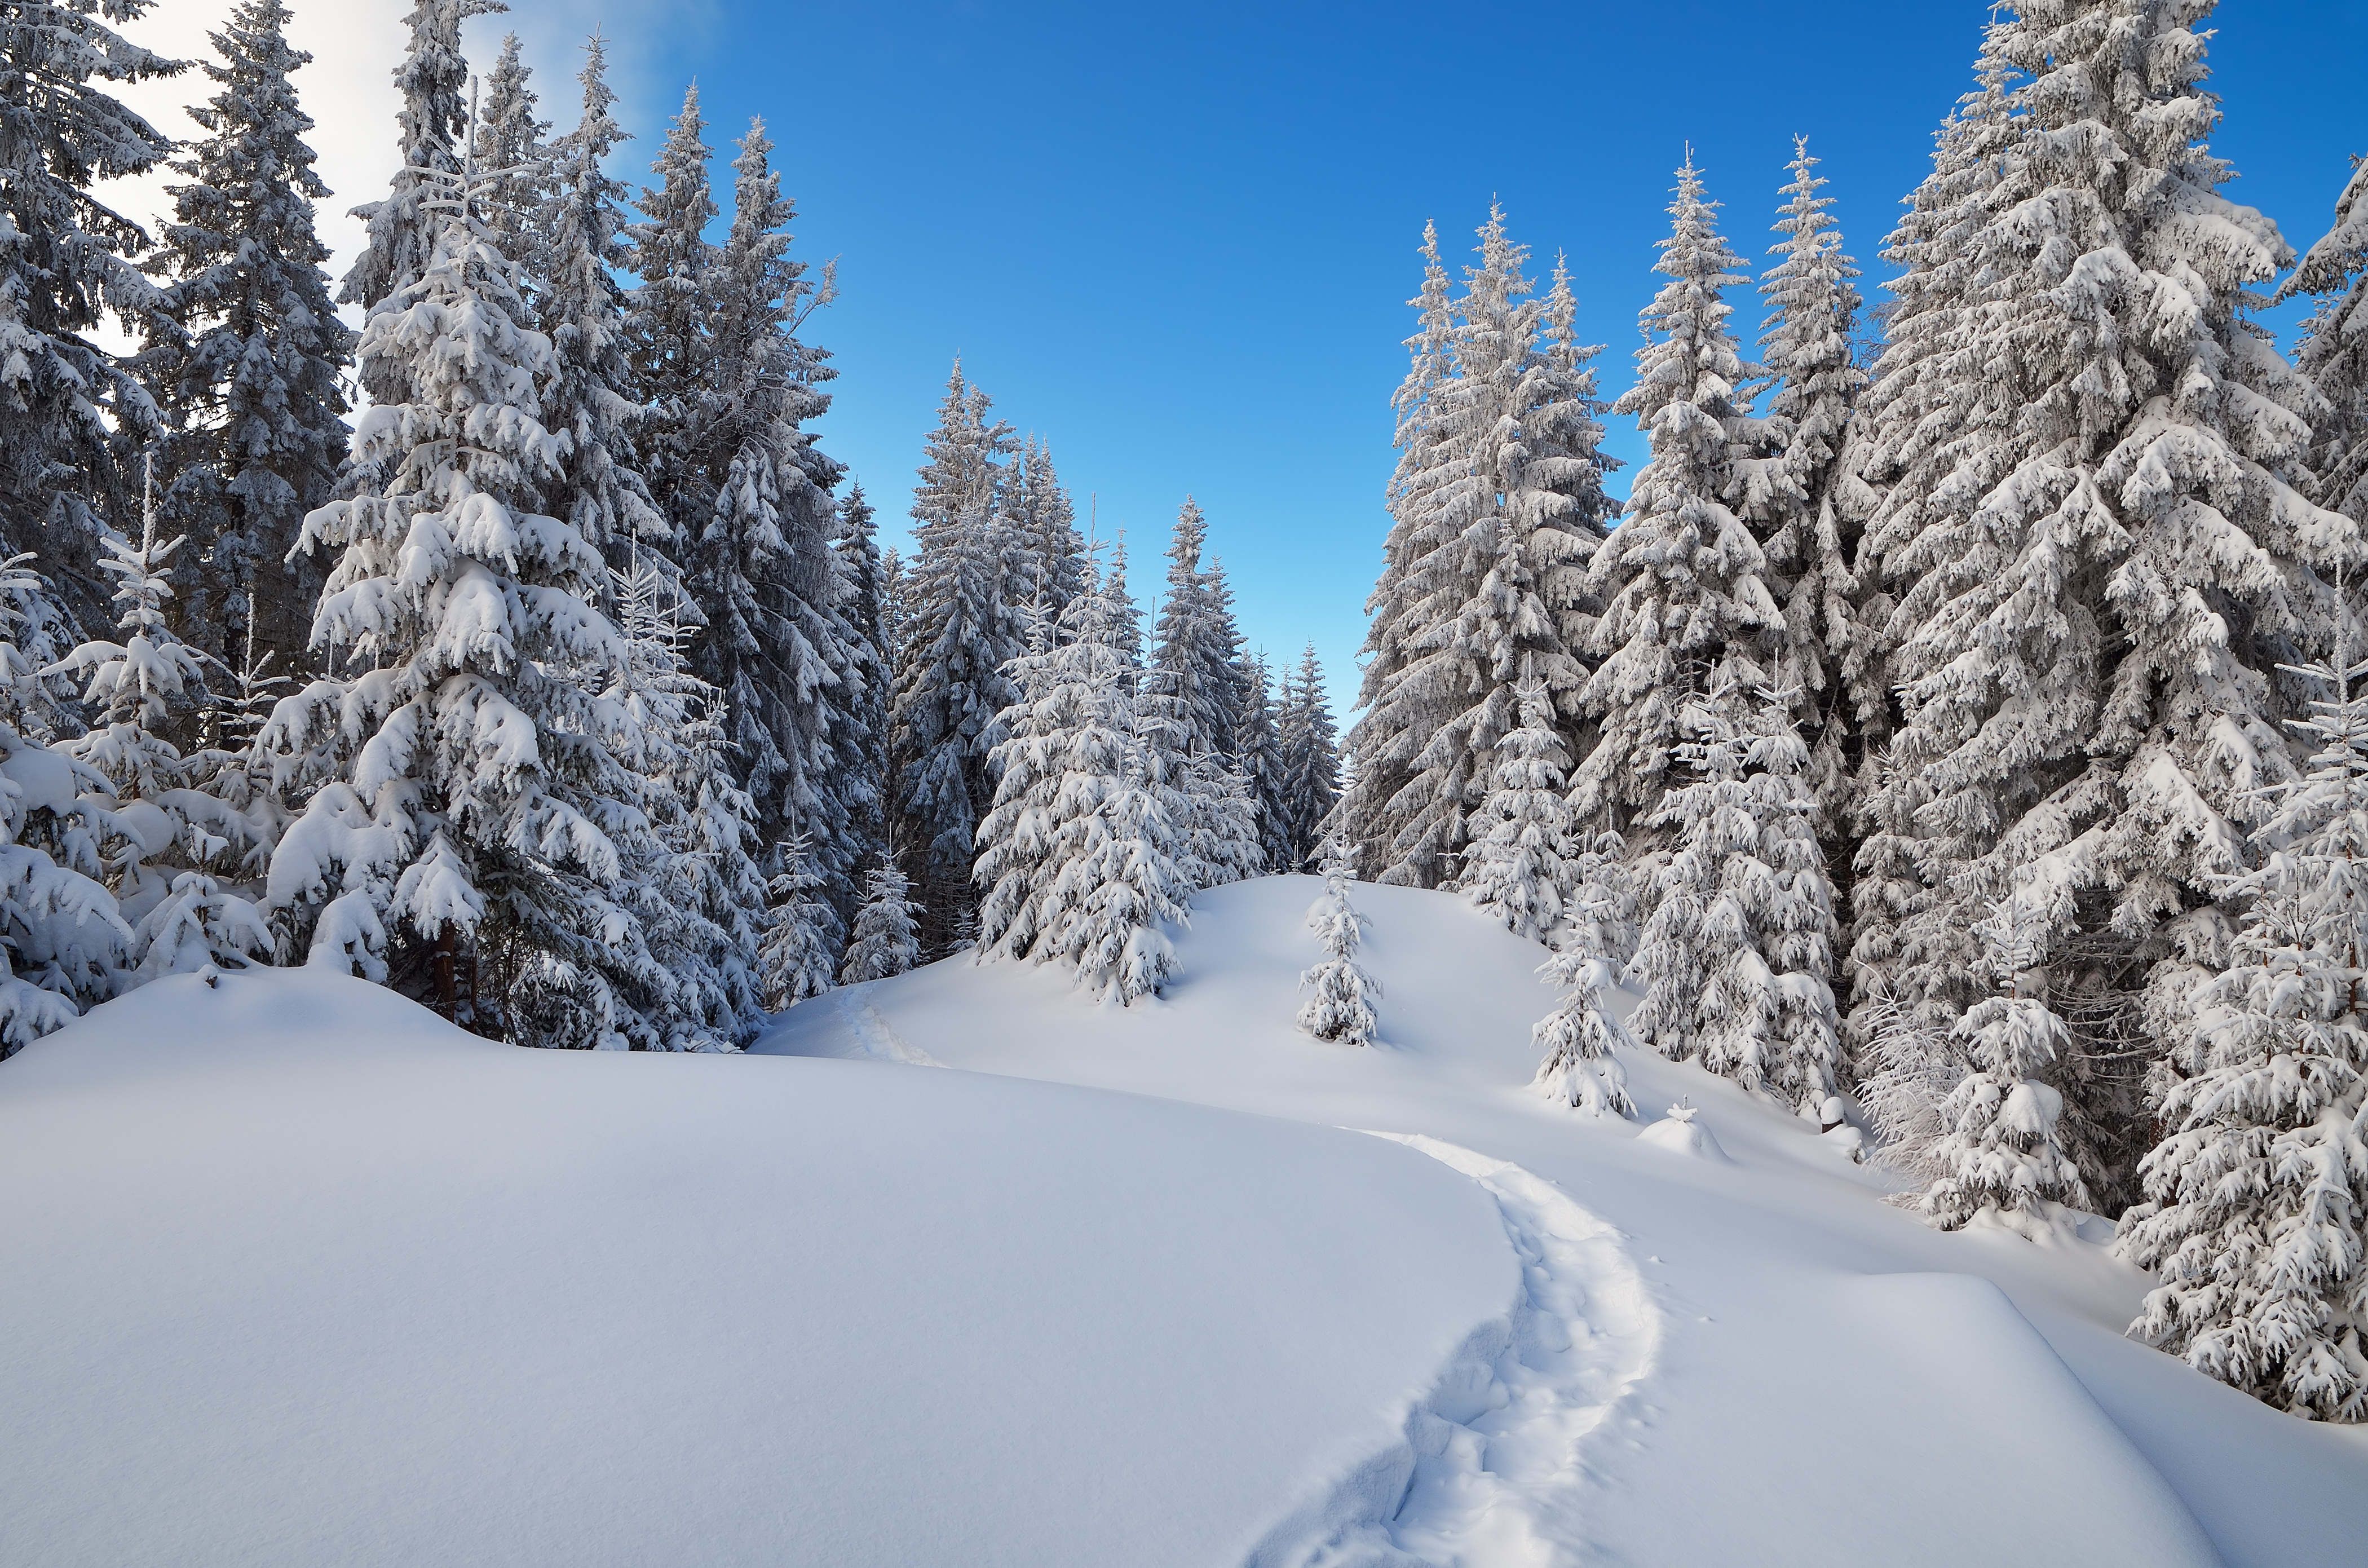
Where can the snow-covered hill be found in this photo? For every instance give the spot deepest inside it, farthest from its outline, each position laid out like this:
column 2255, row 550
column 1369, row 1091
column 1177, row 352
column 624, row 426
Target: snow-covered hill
column 298, row 1273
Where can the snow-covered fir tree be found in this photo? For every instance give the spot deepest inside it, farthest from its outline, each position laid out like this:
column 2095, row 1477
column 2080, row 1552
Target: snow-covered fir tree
column 859, row 740
column 508, row 146
column 1684, row 583
column 432, row 146
column 590, row 395
column 61, row 935
column 796, row 957
column 246, row 355
column 670, row 322
column 1083, row 854
column 1737, row 953
column 959, row 632
column 687, row 871
column 1520, row 869
column 761, row 566
column 2256, row 1223
column 2001, row 1154
column 2333, row 352
column 887, row 939
column 1575, row 1041
column 164, row 840
column 1497, row 510
column 1195, row 646
column 1341, row 1008
column 2096, row 581
column 1311, row 759
column 1813, row 384
column 1049, row 522
column 63, row 274
column 1258, row 740
column 459, row 767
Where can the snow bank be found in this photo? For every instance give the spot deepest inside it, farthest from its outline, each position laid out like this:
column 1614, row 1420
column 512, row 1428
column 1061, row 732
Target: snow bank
column 299, row 1275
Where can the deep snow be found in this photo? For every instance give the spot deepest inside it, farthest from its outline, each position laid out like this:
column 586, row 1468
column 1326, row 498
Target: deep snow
column 298, row 1273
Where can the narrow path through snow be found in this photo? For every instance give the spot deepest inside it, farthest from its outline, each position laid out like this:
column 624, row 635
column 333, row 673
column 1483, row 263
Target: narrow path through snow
column 871, row 1031
column 1493, row 1469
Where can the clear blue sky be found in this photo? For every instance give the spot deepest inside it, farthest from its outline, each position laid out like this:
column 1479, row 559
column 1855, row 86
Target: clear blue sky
column 1178, row 239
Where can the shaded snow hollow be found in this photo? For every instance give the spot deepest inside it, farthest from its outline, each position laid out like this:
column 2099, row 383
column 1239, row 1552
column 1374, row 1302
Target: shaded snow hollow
column 299, row 1274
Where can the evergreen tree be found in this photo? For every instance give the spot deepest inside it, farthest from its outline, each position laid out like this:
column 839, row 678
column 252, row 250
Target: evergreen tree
column 1520, row 871
column 1257, row 736
column 1685, row 582
column 513, row 161
column 162, row 837
column 2002, row 1154
column 1311, row 760
column 1342, row 1007
column 959, row 632
column 797, row 942
column 590, row 395
column 1578, row 1038
column 61, row 935
column 2096, row 585
column 762, row 567
column 64, row 273
column 1194, row 643
column 1082, row 852
column 1497, row 510
column 669, row 325
column 1812, row 384
column 433, row 78
column 246, row 355
column 2257, row 1201
column 887, row 934
column 1049, row 523
column 2334, row 351
column 1737, row 953
column 859, row 739
column 465, row 781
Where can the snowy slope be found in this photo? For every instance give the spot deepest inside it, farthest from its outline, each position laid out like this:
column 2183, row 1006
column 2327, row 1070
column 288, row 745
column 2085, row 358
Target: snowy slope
column 299, row 1275
column 1825, row 1380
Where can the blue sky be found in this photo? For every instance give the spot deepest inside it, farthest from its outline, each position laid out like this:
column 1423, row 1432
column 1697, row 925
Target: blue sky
column 1177, row 241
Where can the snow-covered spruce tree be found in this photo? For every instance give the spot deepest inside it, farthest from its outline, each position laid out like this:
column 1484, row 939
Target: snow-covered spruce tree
column 796, row 957
column 1082, row 855
column 1049, row 522
column 1520, row 871
column 62, row 938
column 1258, row 739
column 1601, row 911
column 2334, row 351
column 1576, row 1040
column 590, row 396
column 2096, row 594
column 1311, row 759
column 433, row 77
column 760, row 566
column 2001, row 1154
column 1342, row 1006
column 959, row 632
column 859, row 736
column 687, row 872
column 887, row 939
column 1813, row 384
column 514, row 162
column 1194, row 644
column 1684, row 584
column 164, row 840
column 2257, row 1214
column 64, row 273
column 669, row 323
column 462, row 762
column 1497, row 509
column 1738, row 948
column 247, row 356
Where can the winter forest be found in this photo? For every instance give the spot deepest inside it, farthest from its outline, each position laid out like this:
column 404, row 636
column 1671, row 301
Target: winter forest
column 1952, row 734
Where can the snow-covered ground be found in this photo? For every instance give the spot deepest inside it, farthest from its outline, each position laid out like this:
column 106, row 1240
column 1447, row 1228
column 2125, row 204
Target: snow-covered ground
column 298, row 1273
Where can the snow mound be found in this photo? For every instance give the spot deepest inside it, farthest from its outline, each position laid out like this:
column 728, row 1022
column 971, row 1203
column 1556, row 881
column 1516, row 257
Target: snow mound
column 1680, row 1134
column 1831, row 1380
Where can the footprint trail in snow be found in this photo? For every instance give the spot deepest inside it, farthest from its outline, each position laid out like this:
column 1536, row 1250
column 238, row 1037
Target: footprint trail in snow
column 1492, row 1470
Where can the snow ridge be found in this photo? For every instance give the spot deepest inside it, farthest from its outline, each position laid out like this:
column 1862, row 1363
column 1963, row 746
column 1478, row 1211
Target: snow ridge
column 1491, row 1468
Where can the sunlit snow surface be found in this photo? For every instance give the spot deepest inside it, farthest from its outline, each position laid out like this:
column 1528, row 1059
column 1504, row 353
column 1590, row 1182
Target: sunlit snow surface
column 298, row 1275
